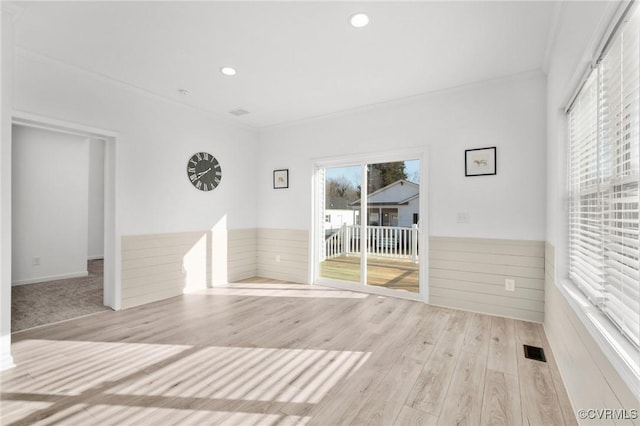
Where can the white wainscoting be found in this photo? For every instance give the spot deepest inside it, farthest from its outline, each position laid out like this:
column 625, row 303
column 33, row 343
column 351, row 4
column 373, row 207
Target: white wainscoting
column 160, row 266
column 283, row 254
column 591, row 380
column 470, row 273
column 153, row 266
column 242, row 255
column 465, row 273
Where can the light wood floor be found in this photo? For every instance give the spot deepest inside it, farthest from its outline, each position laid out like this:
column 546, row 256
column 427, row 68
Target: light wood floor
column 399, row 274
column 262, row 352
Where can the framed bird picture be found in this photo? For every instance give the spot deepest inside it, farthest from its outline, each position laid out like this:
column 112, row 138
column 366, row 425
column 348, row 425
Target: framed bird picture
column 281, row 179
column 480, row 161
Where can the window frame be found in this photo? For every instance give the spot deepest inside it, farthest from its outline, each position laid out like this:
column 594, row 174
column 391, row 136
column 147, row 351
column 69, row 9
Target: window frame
column 616, row 347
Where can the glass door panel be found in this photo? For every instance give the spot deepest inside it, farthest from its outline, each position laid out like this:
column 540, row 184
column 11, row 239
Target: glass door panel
column 340, row 246
column 393, row 205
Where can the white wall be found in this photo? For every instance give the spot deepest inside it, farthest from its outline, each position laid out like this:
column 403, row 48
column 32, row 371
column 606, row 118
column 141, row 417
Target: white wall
column 151, row 140
column 579, row 31
column 49, row 205
column 507, row 113
column 6, row 73
column 156, row 137
column 586, row 366
column 95, row 245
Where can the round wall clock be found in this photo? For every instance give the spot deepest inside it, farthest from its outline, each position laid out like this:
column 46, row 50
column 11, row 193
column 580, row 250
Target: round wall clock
column 204, row 171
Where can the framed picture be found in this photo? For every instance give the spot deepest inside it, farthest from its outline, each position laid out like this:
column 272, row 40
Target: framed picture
column 480, row 161
column 281, row 179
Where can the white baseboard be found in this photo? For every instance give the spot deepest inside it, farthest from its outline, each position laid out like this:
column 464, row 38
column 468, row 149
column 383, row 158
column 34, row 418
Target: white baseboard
column 95, row 257
column 6, row 360
column 50, row 278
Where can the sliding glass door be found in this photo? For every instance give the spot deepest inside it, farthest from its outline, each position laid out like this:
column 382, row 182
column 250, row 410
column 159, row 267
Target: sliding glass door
column 340, row 217
column 369, row 233
column 393, row 212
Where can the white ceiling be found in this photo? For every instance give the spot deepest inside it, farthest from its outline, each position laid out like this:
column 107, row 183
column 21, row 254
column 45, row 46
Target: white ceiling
column 295, row 60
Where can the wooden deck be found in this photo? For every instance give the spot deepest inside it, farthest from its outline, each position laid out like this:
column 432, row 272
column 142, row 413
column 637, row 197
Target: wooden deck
column 398, row 274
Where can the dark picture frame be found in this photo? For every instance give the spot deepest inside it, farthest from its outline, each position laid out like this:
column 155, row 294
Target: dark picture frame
column 281, row 179
column 480, row 161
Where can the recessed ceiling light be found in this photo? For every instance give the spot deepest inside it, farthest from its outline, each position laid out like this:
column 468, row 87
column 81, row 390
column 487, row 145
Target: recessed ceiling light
column 359, row 20
column 228, row 71
column 238, row 111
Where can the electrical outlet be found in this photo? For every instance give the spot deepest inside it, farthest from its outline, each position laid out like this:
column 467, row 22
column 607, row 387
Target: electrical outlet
column 510, row 285
column 36, row 261
column 462, row 217
column 277, row 258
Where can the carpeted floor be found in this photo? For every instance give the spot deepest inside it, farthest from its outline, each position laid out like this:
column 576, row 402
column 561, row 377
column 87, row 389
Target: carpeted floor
column 44, row 303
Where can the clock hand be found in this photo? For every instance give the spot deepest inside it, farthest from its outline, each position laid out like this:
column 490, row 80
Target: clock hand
column 203, row 173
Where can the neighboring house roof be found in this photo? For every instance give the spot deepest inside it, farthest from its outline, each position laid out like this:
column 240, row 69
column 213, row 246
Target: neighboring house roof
column 413, row 197
column 338, row 203
column 391, row 185
column 400, row 202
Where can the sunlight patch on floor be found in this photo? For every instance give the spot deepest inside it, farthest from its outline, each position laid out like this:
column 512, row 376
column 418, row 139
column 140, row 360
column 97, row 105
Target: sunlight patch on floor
column 280, row 290
column 86, row 382
column 72, row 367
column 248, row 374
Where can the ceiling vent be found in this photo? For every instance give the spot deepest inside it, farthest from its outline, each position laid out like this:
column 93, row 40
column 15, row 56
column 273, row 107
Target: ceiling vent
column 238, row 112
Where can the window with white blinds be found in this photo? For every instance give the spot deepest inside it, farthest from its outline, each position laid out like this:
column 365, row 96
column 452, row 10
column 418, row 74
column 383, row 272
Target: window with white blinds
column 604, row 175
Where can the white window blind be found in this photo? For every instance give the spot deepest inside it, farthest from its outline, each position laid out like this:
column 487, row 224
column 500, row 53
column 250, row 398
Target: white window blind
column 604, row 175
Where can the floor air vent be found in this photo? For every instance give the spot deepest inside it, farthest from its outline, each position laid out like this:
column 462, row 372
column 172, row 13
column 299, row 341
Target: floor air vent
column 533, row 352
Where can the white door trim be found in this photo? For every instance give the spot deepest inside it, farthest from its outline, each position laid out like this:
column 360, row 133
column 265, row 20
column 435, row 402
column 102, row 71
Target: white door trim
column 112, row 260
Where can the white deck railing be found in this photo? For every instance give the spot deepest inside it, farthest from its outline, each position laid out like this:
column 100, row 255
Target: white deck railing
column 387, row 241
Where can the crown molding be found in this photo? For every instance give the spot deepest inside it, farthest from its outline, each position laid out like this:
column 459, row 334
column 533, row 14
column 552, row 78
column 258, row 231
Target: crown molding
column 26, row 53
column 524, row 75
column 12, row 9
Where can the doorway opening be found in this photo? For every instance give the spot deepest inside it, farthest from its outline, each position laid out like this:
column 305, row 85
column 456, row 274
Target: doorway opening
column 63, row 221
